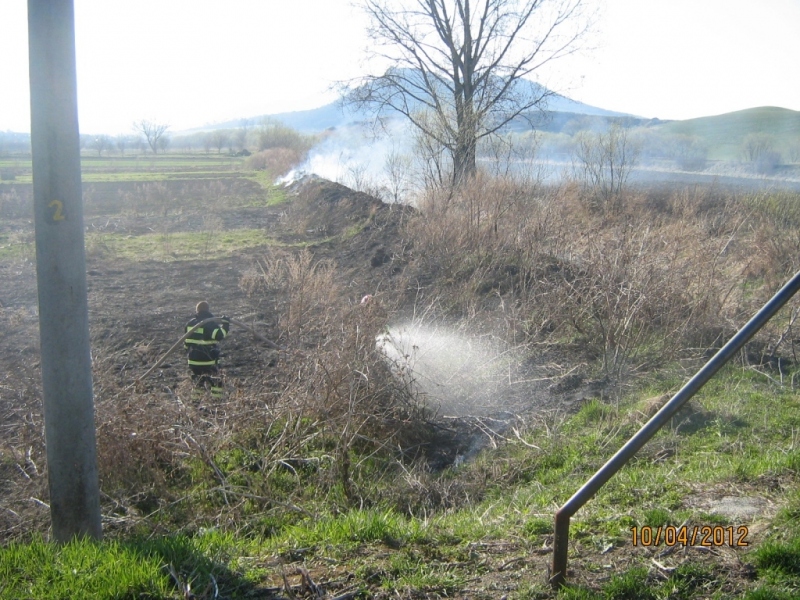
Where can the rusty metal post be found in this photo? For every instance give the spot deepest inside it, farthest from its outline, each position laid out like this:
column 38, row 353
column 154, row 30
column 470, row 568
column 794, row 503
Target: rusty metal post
column 560, row 549
column 649, row 429
column 61, row 273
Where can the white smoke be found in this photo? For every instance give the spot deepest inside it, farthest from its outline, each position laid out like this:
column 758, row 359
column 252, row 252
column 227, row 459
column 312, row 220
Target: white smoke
column 357, row 156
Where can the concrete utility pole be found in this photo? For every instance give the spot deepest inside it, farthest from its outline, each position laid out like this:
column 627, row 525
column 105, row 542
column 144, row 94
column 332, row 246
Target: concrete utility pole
column 61, row 273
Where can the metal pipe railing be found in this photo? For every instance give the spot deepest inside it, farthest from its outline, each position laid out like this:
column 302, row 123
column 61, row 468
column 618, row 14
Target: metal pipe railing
column 649, row 429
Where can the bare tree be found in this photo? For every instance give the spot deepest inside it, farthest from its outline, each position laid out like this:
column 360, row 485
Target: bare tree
column 122, row 142
column 163, row 143
column 464, row 62
column 396, row 169
column 240, row 135
column 218, row 138
column 755, row 145
column 603, row 161
column 690, row 152
column 759, row 149
column 153, row 133
column 274, row 134
column 101, row 143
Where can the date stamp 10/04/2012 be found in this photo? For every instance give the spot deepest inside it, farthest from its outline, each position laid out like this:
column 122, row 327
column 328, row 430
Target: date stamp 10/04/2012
column 707, row 536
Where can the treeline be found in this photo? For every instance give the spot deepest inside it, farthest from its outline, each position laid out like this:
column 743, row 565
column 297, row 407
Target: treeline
column 558, row 134
column 14, row 143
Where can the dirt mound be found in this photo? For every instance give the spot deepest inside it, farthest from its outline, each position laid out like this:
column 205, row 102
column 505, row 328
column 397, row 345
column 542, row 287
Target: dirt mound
column 322, row 208
column 363, row 235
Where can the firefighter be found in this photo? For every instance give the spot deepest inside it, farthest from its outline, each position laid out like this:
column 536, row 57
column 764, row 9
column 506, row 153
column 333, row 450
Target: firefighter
column 203, row 350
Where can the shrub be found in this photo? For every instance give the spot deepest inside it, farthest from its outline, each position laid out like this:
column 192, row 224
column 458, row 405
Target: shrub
column 603, row 163
column 273, row 134
column 275, row 161
column 689, row 152
column 760, row 151
column 768, row 161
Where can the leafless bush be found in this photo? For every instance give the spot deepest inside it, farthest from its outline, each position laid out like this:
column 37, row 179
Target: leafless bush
column 212, row 224
column 760, row 150
column 23, row 467
column 397, row 171
column 308, row 291
column 276, row 161
column 512, row 157
column 638, row 295
column 273, row 134
column 151, row 196
column 139, row 448
column 339, row 378
column 433, row 163
column 689, row 152
column 768, row 161
column 99, row 246
column 603, row 163
column 476, row 219
column 755, row 145
column 358, row 178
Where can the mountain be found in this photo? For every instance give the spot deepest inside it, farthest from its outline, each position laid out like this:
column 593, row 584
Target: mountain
column 335, row 115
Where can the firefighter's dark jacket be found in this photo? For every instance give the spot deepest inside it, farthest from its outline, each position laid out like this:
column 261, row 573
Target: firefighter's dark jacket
column 202, row 342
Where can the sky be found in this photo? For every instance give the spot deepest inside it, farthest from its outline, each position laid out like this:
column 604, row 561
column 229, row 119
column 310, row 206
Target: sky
column 189, row 63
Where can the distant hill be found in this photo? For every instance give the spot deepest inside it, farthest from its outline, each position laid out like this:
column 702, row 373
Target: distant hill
column 725, row 133
column 722, row 135
column 336, row 115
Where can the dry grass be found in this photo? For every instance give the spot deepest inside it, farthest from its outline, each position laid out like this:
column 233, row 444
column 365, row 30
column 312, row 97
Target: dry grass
column 338, row 378
column 276, row 161
column 633, row 289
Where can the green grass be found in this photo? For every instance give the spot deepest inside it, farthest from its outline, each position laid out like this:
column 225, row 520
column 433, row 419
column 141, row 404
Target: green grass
column 139, row 568
column 685, row 582
column 410, row 572
column 780, row 558
column 81, row 570
column 176, row 246
column 154, row 175
column 770, row 593
column 745, row 435
column 166, row 246
column 353, row 527
column 140, row 168
column 276, row 195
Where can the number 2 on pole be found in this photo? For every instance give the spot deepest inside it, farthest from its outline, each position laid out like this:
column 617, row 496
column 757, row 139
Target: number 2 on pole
column 58, row 215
